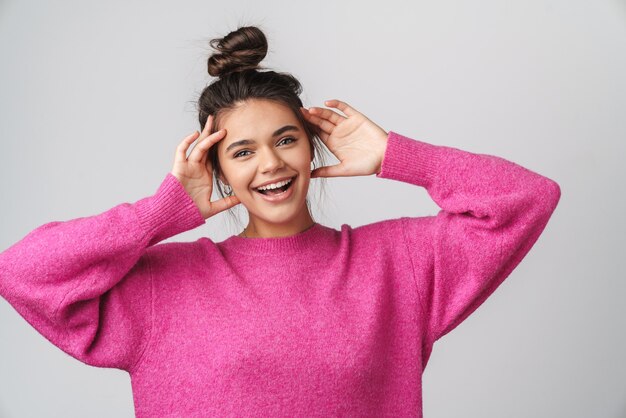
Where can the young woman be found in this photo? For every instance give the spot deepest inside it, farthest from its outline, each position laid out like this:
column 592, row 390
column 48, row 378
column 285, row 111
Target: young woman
column 290, row 317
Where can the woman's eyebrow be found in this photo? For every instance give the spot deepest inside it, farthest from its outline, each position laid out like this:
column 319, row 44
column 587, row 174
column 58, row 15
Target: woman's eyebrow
column 279, row 131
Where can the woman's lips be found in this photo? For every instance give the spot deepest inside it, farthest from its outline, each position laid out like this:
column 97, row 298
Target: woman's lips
column 279, row 197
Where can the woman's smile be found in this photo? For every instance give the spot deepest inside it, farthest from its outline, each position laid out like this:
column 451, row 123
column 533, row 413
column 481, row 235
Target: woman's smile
column 277, row 194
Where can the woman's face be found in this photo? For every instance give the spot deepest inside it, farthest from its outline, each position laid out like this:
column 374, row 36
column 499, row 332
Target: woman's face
column 265, row 143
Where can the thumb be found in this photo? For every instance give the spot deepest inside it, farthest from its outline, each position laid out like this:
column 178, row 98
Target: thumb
column 224, row 203
column 328, row 171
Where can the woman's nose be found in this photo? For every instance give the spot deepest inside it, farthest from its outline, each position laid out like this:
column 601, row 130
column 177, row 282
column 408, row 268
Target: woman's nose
column 270, row 161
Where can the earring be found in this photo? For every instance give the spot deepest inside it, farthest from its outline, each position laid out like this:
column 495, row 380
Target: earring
column 228, row 189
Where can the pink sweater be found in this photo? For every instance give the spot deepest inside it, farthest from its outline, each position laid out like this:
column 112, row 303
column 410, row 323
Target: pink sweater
column 321, row 323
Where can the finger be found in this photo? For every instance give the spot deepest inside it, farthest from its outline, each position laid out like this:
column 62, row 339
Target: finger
column 309, row 121
column 327, row 114
column 199, row 152
column 205, row 151
column 323, row 136
column 336, row 170
column 224, row 204
column 207, row 128
column 181, row 149
column 324, row 124
column 344, row 107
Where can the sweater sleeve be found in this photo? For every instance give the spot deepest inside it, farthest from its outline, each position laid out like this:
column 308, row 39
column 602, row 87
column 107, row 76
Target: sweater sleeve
column 85, row 284
column 492, row 213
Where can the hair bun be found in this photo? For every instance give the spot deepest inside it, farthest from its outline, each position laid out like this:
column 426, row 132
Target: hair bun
column 241, row 49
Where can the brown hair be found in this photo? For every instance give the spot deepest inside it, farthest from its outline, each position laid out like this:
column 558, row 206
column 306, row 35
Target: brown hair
column 236, row 64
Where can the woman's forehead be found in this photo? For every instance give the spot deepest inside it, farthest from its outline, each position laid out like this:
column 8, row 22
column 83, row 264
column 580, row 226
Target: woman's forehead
column 258, row 118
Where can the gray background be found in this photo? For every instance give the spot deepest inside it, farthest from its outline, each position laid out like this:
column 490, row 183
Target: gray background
column 95, row 97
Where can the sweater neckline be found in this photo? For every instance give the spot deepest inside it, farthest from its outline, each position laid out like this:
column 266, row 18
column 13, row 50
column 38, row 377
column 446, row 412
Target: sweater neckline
column 306, row 239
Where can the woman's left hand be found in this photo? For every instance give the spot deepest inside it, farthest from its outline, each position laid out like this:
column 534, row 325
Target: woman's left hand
column 356, row 141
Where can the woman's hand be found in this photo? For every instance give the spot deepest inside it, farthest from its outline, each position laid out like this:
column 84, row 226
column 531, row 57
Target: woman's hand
column 357, row 142
column 196, row 173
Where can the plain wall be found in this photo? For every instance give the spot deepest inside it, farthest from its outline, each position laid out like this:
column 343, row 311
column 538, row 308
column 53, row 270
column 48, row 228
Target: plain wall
column 95, row 97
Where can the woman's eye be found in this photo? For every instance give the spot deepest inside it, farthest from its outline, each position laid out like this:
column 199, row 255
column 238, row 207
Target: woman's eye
column 287, row 140
column 239, row 154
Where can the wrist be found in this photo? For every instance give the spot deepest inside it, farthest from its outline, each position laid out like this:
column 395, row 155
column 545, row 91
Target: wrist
column 382, row 141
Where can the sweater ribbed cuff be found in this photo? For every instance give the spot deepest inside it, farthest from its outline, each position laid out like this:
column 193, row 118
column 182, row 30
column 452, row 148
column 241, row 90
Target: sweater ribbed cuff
column 168, row 212
column 410, row 160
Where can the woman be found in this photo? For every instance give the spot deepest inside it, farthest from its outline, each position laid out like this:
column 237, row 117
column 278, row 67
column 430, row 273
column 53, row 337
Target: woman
column 290, row 317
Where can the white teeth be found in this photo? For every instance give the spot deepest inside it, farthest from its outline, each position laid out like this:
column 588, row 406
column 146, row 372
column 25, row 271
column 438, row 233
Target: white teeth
column 275, row 185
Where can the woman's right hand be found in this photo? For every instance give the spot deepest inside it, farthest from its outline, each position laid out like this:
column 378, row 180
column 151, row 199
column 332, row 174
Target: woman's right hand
column 195, row 173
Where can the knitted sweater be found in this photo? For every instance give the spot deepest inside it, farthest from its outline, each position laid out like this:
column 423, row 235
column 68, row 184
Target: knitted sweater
column 322, row 323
